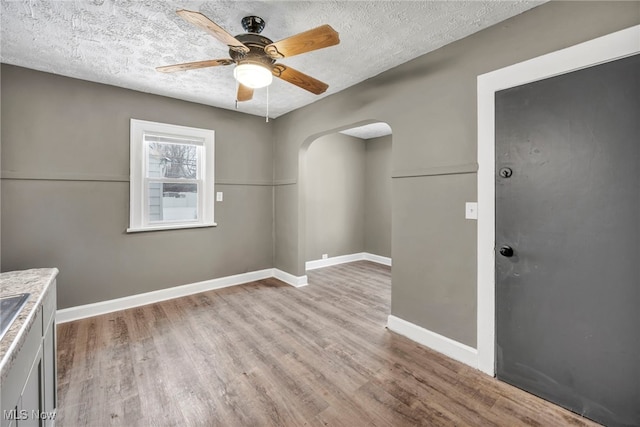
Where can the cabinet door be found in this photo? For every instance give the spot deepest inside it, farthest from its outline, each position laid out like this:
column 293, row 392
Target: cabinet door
column 32, row 397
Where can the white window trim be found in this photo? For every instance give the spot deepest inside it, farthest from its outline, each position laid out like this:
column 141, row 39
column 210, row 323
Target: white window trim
column 137, row 194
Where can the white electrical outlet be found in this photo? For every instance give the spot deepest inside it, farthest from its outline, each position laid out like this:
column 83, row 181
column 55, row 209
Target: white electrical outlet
column 219, row 196
column 471, row 210
column 325, row 256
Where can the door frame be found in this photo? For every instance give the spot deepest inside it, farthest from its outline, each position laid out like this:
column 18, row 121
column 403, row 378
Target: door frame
column 600, row 50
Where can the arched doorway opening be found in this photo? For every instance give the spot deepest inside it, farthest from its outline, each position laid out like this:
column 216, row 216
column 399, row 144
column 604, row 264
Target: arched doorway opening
column 345, row 195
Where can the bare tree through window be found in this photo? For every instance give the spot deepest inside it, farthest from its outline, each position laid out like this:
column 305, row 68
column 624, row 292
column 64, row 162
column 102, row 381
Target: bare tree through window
column 176, row 161
column 172, row 169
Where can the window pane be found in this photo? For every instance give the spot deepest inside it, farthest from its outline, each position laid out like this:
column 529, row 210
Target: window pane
column 172, row 161
column 173, row 202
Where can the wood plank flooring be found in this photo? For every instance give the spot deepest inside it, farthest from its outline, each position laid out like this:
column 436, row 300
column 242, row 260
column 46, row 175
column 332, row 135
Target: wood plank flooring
column 267, row 354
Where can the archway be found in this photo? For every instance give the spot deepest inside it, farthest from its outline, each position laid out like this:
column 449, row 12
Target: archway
column 344, row 187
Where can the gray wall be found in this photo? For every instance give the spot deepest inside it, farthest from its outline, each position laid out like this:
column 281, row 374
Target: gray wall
column 335, row 196
column 430, row 103
column 378, row 197
column 348, row 196
column 65, row 190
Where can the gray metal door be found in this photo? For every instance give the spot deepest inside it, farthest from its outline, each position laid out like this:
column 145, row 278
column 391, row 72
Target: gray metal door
column 568, row 240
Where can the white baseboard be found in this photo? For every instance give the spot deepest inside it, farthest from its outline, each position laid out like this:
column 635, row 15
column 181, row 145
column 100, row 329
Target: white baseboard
column 327, row 262
column 104, row 307
column 377, row 258
column 342, row 259
column 455, row 350
column 290, row 279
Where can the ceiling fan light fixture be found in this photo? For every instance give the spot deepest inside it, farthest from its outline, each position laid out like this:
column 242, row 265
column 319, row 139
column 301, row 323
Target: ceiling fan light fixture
column 252, row 75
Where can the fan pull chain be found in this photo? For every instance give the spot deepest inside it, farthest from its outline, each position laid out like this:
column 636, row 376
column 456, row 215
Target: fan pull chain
column 267, row 120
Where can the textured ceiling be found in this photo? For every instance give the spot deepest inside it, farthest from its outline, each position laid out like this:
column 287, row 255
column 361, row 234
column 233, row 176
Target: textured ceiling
column 372, row 130
column 120, row 42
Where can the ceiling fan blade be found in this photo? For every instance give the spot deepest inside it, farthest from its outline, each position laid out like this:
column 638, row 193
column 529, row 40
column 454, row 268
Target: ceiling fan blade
column 244, row 93
column 299, row 79
column 199, row 20
column 317, row 38
column 194, row 65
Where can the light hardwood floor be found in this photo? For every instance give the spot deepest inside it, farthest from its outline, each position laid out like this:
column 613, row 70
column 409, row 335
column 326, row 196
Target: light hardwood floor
column 267, row 354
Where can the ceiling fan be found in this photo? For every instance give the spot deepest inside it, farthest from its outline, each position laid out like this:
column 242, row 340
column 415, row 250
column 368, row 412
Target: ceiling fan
column 255, row 55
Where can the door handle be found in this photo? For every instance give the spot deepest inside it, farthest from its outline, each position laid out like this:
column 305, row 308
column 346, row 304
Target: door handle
column 506, row 251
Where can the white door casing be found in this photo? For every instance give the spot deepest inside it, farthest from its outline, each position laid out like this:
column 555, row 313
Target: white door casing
column 600, row 50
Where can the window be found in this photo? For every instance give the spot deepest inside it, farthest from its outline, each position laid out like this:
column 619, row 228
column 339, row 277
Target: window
column 172, row 179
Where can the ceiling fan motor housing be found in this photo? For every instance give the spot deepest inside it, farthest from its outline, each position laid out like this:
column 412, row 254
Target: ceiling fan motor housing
column 256, row 54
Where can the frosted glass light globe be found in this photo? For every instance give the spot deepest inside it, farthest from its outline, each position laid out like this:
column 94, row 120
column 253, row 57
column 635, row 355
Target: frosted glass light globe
column 253, row 75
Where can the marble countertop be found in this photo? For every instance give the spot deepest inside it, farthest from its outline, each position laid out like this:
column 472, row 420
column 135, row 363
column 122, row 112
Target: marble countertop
column 36, row 282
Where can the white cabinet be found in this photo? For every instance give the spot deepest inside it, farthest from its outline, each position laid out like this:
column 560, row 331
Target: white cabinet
column 29, row 388
column 31, row 399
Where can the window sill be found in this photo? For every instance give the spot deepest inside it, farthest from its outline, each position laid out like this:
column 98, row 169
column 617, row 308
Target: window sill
column 170, row 227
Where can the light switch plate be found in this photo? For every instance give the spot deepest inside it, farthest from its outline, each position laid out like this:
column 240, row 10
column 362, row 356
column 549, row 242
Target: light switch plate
column 219, row 196
column 471, row 210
